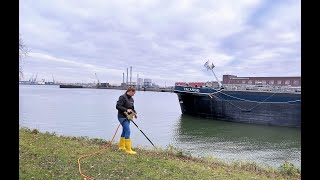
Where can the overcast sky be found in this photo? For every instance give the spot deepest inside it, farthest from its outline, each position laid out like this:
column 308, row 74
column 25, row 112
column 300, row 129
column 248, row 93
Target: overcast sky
column 166, row 41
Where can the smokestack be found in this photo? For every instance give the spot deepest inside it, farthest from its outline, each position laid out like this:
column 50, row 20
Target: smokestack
column 123, row 78
column 127, row 76
column 130, row 75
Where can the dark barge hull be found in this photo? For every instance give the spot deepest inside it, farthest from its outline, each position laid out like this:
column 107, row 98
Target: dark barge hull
column 280, row 109
column 70, row 86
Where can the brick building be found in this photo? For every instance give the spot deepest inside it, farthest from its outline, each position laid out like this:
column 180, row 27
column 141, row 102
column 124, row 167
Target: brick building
column 275, row 81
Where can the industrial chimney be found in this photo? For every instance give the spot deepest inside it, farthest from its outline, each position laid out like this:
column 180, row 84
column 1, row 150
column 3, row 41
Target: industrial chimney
column 130, row 75
column 127, row 76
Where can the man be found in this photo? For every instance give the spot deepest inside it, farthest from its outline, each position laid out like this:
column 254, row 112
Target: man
column 126, row 104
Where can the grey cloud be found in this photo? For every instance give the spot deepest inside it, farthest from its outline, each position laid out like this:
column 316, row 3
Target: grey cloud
column 165, row 41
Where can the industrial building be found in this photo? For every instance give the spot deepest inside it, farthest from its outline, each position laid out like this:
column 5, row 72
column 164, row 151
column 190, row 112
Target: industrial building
column 147, row 82
column 140, row 83
column 293, row 81
column 274, row 81
column 198, row 84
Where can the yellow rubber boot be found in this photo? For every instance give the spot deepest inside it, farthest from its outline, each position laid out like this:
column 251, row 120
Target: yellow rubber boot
column 128, row 147
column 122, row 144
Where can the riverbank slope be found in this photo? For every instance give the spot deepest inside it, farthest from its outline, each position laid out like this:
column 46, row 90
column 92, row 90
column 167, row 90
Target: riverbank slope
column 49, row 156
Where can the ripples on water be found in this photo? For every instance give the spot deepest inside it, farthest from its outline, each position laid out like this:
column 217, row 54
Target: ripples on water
column 236, row 141
column 92, row 113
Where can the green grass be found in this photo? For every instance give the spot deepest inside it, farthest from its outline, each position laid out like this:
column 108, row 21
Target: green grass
column 49, row 156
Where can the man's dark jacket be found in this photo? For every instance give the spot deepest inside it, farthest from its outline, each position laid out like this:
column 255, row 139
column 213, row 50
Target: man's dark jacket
column 125, row 102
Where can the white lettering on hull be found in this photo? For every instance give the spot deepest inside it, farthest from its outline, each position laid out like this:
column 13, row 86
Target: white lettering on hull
column 192, row 89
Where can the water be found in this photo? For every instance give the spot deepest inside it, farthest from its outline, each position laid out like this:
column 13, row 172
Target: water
column 92, row 113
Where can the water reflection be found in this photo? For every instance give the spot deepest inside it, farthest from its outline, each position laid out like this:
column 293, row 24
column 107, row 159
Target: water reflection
column 237, row 141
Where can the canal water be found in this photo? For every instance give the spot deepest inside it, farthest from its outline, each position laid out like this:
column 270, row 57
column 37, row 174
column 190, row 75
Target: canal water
column 92, row 113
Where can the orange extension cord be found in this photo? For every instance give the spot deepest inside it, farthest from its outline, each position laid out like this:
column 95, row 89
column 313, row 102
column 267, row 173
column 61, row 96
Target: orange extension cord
column 86, row 155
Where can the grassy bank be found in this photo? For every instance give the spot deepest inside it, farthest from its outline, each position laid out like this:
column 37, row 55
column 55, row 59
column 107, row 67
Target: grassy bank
column 48, row 156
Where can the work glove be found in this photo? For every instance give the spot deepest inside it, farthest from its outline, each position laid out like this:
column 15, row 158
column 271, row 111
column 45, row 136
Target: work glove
column 130, row 115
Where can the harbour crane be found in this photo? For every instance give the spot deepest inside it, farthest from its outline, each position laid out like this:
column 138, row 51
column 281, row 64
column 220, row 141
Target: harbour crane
column 35, row 79
column 53, row 79
column 98, row 84
column 31, row 78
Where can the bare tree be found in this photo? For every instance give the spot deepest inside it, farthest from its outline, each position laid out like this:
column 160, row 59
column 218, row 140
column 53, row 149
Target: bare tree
column 23, row 52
